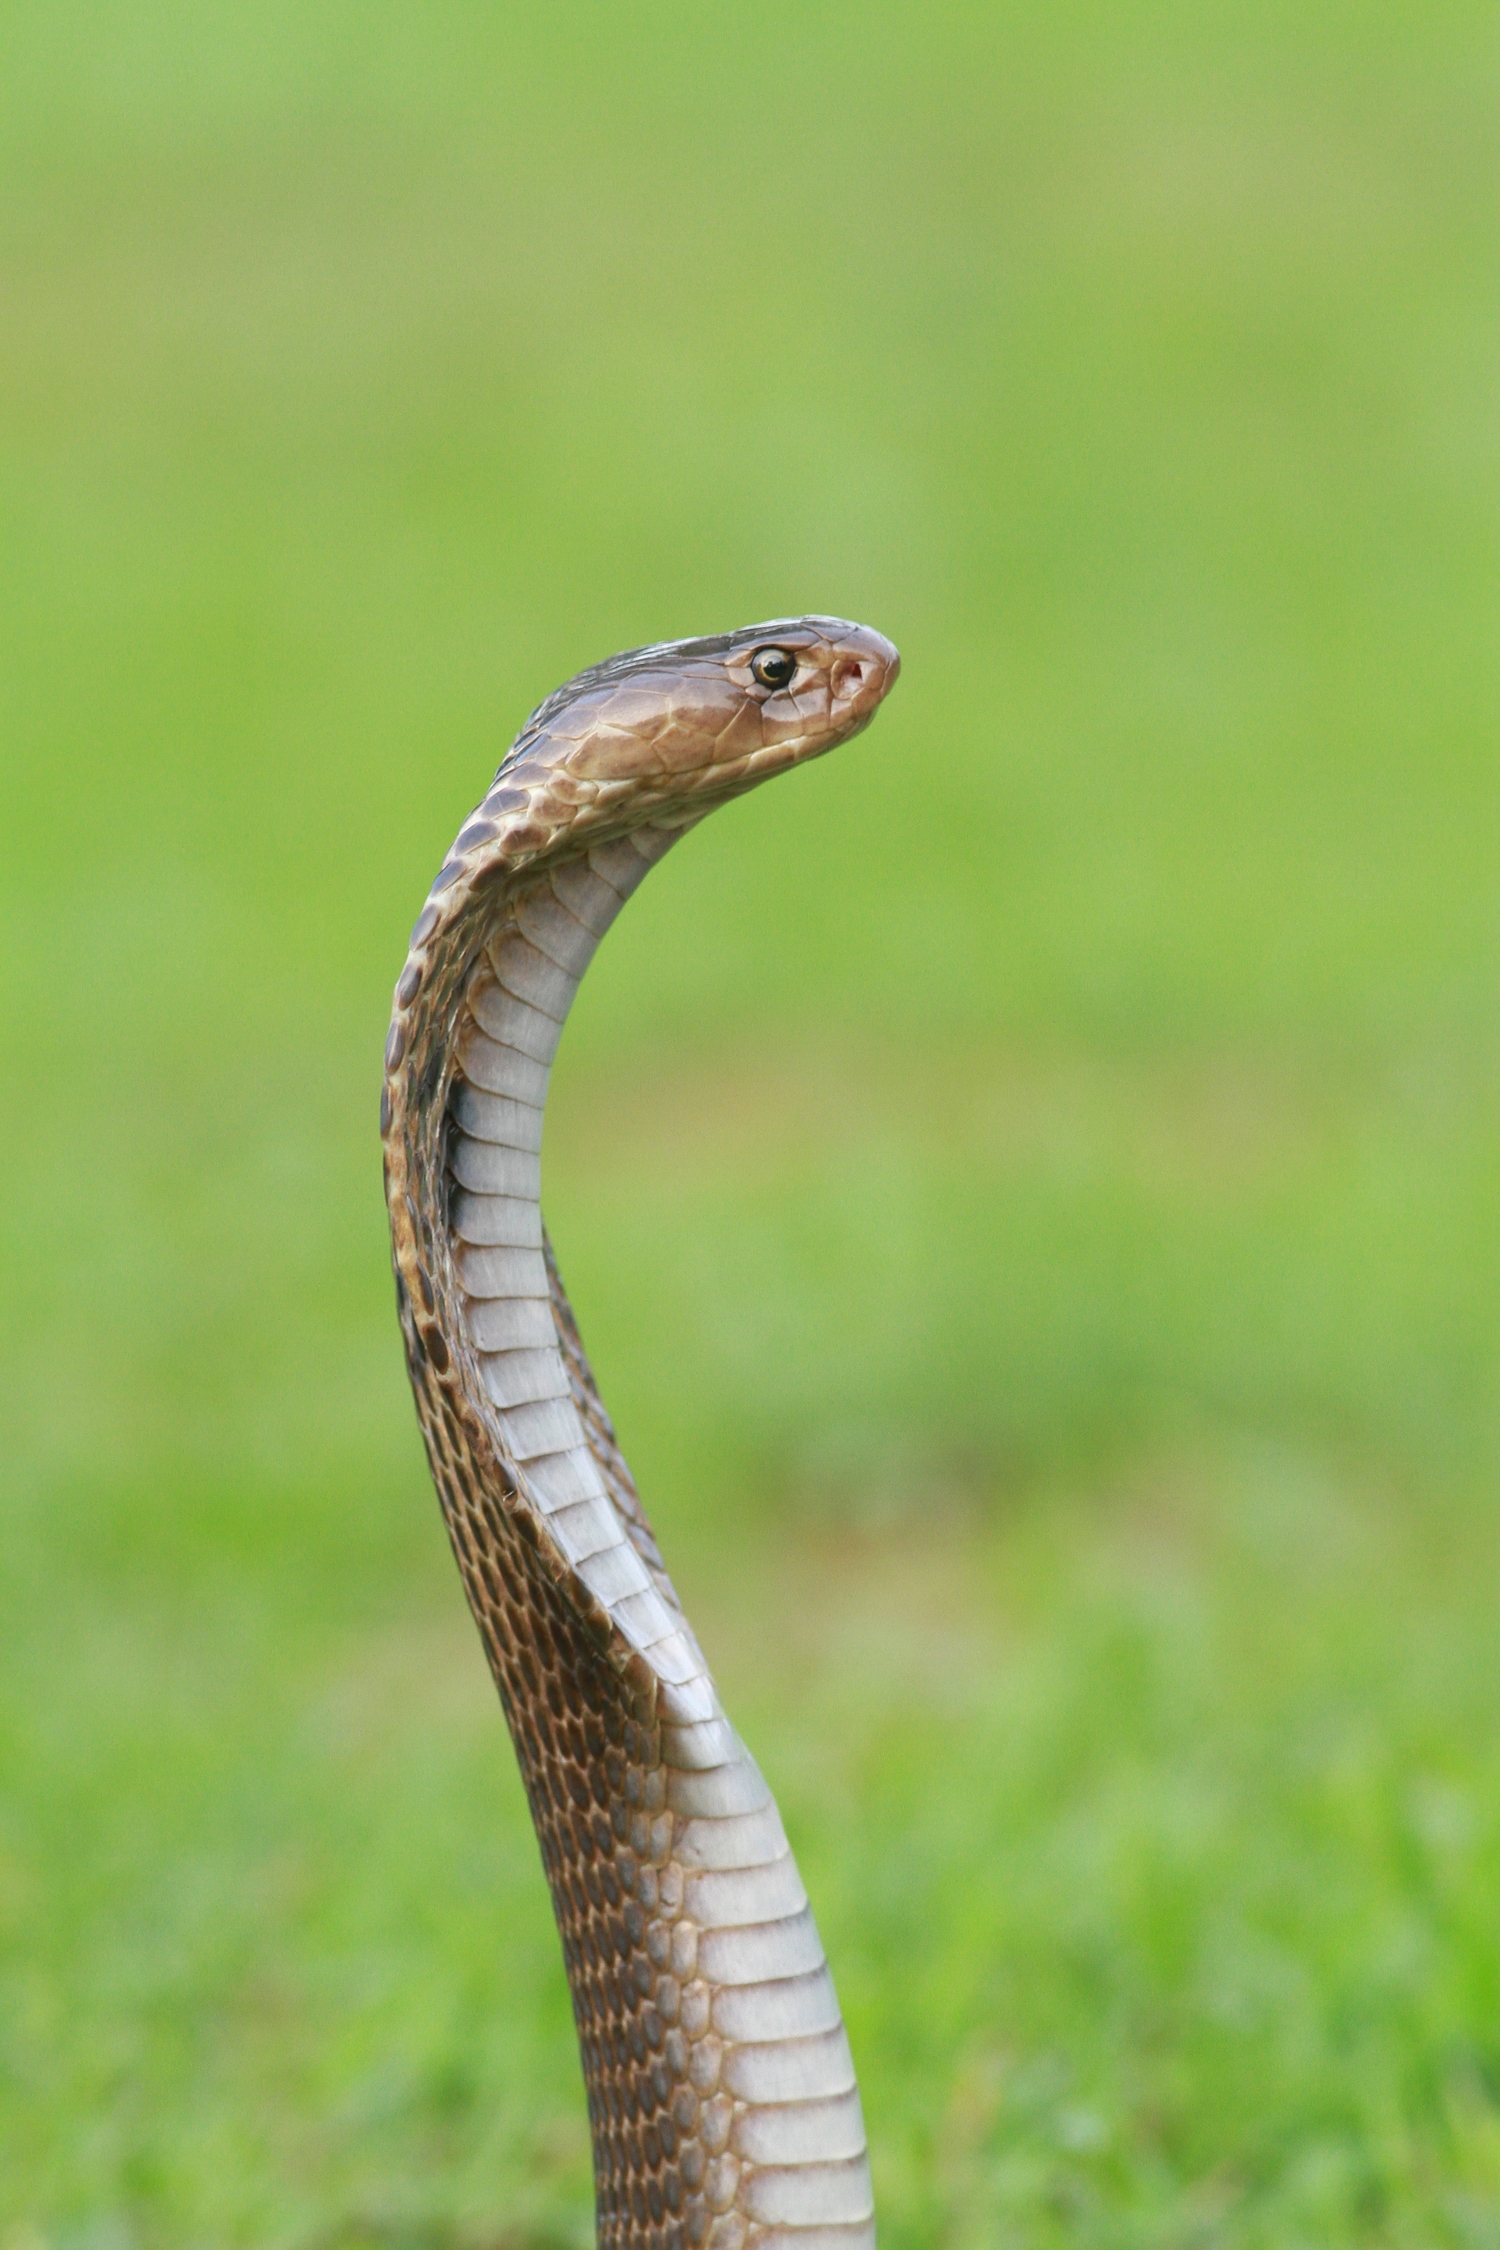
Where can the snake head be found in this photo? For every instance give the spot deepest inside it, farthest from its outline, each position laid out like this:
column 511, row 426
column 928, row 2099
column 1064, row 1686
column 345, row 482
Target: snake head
column 662, row 734
column 659, row 736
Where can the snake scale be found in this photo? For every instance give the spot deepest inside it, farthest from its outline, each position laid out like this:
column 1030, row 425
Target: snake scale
column 722, row 2101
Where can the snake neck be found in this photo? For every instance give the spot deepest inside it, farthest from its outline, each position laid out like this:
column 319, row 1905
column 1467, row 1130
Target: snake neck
column 722, row 2098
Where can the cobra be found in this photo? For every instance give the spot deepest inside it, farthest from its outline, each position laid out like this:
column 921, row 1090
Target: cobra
column 722, row 2099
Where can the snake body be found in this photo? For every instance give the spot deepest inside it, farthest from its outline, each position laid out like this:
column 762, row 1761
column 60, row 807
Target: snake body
column 722, row 2099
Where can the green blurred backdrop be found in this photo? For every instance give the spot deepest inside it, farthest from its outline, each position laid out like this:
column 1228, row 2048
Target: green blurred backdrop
column 1028, row 1182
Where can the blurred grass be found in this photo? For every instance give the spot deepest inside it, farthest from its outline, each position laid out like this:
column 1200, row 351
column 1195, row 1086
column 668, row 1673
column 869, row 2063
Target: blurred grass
column 1028, row 1183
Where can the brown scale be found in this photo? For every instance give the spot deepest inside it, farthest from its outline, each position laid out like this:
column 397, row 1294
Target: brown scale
column 585, row 1733
column 580, row 1706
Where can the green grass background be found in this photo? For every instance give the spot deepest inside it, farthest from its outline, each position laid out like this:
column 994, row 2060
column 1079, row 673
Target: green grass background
column 1029, row 1183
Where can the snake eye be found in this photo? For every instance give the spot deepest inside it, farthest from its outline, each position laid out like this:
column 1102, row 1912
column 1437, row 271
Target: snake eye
column 773, row 667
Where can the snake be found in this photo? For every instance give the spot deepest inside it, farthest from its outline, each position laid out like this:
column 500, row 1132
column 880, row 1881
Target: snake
column 724, row 2113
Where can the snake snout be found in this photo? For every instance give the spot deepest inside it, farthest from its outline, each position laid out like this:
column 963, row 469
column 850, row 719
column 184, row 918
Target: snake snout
column 862, row 673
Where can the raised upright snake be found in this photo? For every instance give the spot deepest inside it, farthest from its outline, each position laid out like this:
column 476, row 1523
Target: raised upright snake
column 722, row 2100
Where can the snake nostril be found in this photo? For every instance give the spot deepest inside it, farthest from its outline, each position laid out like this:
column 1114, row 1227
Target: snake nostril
column 848, row 676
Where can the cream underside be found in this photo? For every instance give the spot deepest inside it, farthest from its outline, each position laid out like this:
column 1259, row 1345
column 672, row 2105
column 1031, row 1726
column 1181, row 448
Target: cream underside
column 794, row 2170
